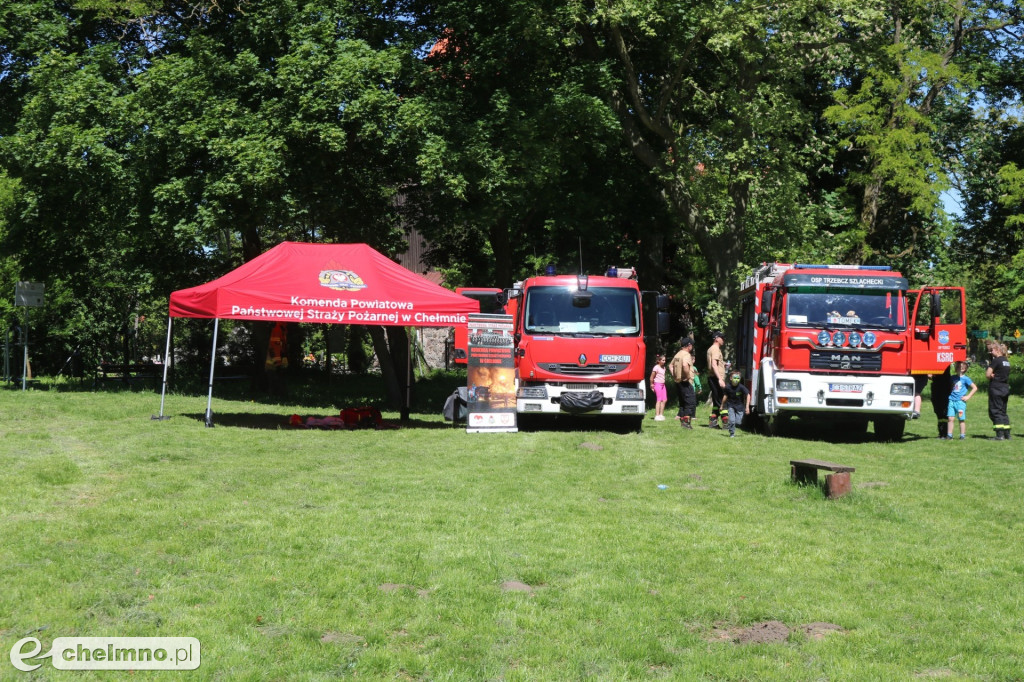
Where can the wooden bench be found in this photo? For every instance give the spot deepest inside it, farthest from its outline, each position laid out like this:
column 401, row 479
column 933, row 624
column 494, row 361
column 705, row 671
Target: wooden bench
column 805, row 471
column 136, row 371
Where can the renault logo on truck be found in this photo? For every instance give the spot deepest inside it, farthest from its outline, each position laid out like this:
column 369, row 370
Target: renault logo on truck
column 582, row 359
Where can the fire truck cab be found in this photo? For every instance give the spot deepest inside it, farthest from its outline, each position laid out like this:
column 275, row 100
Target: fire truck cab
column 843, row 343
column 580, row 346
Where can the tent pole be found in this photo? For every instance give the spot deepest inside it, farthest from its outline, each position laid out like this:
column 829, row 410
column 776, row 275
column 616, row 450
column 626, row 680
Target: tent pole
column 167, row 362
column 408, row 376
column 213, row 360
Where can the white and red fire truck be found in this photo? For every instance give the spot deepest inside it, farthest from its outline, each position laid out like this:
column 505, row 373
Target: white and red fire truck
column 843, row 344
column 579, row 344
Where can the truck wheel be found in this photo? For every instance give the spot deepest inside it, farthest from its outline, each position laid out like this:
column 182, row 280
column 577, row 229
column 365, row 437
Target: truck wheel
column 625, row 424
column 778, row 425
column 858, row 427
column 526, row 422
column 890, row 429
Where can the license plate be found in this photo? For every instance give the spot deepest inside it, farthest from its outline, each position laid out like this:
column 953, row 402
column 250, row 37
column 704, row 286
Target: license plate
column 846, row 388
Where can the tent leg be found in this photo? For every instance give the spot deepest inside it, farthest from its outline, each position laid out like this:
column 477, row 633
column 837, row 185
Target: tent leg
column 213, row 360
column 167, row 362
column 24, row 361
column 408, row 377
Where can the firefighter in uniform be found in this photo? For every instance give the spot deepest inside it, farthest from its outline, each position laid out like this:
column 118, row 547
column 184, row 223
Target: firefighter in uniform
column 942, row 384
column 998, row 373
column 716, row 376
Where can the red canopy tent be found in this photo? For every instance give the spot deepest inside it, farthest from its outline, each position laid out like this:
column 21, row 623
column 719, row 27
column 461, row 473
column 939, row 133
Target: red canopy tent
column 320, row 283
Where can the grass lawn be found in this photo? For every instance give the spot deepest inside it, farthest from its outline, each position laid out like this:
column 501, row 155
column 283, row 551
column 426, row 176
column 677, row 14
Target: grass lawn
column 425, row 552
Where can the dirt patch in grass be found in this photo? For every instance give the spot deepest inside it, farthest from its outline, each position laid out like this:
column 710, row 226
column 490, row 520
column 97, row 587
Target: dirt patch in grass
column 768, row 632
column 591, row 446
column 872, row 484
column 516, row 586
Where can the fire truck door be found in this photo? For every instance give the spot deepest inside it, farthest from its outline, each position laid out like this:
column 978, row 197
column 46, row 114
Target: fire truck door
column 939, row 329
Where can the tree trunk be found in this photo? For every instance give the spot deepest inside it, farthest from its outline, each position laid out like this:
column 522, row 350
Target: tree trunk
column 387, row 357
column 501, row 245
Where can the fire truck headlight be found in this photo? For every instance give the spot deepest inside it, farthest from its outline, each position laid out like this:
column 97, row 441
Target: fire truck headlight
column 869, row 339
column 787, row 385
column 823, row 338
column 839, row 339
column 902, row 389
column 629, row 394
column 533, row 392
column 854, row 339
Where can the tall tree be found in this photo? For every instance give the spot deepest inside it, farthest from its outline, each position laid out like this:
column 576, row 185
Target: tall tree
column 154, row 144
column 523, row 160
column 911, row 76
column 712, row 98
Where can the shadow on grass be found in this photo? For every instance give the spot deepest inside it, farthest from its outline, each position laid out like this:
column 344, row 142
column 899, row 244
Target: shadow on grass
column 839, row 433
column 274, row 421
column 563, row 423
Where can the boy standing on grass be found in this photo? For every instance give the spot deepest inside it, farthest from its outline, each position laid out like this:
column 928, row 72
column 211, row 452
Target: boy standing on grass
column 736, row 401
column 963, row 389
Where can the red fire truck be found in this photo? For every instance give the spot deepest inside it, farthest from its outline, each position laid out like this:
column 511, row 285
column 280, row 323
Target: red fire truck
column 580, row 346
column 490, row 300
column 843, row 343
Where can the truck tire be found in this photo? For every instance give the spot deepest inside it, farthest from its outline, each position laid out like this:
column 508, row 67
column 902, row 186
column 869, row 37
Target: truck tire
column 777, row 426
column 633, row 424
column 858, row 427
column 890, row 429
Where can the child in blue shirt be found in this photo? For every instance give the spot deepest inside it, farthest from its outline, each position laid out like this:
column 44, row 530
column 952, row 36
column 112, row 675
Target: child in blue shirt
column 963, row 389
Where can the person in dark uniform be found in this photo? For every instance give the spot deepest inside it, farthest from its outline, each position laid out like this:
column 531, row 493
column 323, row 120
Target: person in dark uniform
column 942, row 384
column 998, row 373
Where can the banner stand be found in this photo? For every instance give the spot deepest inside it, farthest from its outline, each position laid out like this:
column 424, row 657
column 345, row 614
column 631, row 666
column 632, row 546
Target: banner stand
column 491, row 374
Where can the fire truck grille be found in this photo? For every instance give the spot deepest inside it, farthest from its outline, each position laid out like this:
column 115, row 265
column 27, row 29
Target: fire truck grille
column 823, row 359
column 843, row 402
column 569, row 369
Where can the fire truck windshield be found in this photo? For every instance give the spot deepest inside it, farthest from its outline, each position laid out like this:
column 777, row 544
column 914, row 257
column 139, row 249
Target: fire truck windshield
column 610, row 311
column 846, row 308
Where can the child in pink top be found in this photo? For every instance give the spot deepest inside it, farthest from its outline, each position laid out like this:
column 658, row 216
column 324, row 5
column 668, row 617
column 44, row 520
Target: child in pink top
column 660, row 391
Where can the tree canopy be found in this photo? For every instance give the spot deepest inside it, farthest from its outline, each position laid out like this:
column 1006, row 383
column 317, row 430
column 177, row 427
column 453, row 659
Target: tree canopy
column 148, row 145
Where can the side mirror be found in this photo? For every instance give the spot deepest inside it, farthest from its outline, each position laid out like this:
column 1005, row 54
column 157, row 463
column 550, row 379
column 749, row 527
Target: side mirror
column 762, row 320
column 766, row 304
column 501, row 299
column 664, row 323
column 936, row 306
column 662, row 302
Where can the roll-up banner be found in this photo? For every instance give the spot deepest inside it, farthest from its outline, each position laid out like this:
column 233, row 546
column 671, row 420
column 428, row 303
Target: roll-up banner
column 491, row 372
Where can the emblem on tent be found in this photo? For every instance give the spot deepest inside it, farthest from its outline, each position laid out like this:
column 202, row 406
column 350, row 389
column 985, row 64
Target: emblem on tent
column 345, row 280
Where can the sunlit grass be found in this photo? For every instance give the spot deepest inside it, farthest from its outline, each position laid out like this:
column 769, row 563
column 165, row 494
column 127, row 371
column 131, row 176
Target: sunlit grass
column 305, row 554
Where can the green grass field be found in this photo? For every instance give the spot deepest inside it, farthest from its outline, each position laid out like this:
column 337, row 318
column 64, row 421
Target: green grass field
column 424, row 552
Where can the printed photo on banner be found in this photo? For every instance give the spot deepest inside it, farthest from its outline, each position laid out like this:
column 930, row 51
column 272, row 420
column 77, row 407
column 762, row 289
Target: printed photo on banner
column 491, row 374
